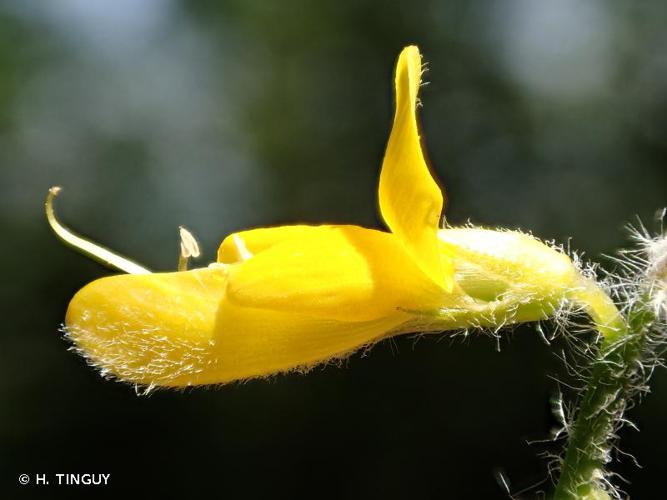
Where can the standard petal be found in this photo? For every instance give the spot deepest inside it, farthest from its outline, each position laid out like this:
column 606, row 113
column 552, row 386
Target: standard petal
column 347, row 273
column 410, row 200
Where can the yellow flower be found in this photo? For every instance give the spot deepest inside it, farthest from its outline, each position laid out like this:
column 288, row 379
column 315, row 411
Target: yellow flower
column 286, row 298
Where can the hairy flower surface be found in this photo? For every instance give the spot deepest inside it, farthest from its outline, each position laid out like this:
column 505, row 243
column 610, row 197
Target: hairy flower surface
column 284, row 298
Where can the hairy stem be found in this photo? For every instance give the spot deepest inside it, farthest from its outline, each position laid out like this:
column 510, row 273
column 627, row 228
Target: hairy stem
column 610, row 386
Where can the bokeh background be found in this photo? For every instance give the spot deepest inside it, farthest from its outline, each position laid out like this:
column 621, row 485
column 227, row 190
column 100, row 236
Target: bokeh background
column 549, row 116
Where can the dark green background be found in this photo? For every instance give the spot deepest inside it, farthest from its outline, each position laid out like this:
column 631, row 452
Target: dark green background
column 542, row 115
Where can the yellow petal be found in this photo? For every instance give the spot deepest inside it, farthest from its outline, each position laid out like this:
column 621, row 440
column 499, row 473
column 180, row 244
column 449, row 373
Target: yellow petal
column 258, row 240
column 257, row 342
column 150, row 328
column 176, row 329
column 410, row 200
column 339, row 272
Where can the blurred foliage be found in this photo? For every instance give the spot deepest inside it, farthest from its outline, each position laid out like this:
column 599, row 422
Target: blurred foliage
column 548, row 116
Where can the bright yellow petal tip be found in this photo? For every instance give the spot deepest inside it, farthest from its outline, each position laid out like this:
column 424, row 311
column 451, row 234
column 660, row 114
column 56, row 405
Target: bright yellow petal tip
column 410, row 200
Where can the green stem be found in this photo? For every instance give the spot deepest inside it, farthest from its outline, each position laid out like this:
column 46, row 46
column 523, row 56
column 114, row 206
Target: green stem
column 608, row 390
